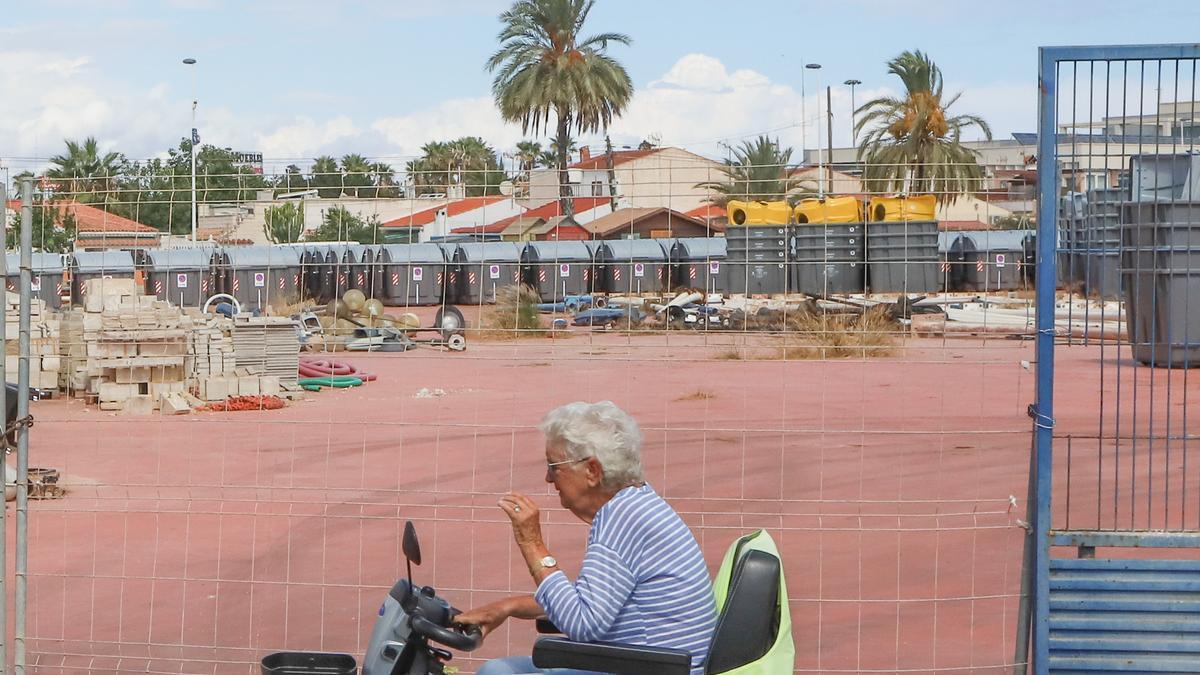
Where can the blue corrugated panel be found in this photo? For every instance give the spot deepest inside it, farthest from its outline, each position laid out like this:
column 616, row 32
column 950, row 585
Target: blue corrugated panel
column 1124, row 615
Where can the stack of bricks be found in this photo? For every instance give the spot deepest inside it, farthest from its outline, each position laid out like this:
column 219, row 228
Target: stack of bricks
column 210, row 348
column 44, row 362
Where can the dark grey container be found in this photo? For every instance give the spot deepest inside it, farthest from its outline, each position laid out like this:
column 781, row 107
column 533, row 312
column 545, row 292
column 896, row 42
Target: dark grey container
column 759, row 259
column 701, row 262
column 46, row 282
column 181, row 276
column 902, row 256
column 1160, row 263
column 1165, row 177
column 828, row 258
column 414, row 274
column 479, row 270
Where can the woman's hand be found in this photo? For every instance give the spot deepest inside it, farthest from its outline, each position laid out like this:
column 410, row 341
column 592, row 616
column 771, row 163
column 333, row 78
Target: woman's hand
column 488, row 618
column 526, row 520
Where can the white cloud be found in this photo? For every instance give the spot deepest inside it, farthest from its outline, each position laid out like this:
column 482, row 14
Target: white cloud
column 448, row 119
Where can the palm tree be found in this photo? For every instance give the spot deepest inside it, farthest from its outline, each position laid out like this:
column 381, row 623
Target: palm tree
column 758, row 171
column 86, row 170
column 384, row 177
column 356, row 175
column 913, row 144
column 545, row 66
column 527, row 156
column 326, row 177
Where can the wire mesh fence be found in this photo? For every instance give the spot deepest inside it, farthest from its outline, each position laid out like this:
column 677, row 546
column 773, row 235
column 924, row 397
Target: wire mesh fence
column 855, row 385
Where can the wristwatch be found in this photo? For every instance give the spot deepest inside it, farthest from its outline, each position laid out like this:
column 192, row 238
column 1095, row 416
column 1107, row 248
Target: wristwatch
column 548, row 562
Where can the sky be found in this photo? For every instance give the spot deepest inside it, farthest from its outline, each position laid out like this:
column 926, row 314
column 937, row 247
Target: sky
column 294, row 79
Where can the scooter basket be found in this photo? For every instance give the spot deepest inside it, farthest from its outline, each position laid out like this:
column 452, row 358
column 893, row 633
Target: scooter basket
column 307, row 663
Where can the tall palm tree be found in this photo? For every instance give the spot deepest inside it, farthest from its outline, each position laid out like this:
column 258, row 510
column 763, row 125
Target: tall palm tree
column 326, row 177
column 527, row 156
column 545, row 65
column 913, row 143
column 384, row 177
column 83, row 171
column 758, row 171
column 356, row 175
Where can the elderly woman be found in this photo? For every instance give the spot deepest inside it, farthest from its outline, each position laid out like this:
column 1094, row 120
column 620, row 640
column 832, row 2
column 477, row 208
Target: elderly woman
column 643, row 579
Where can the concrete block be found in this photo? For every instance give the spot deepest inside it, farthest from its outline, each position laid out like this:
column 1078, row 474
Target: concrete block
column 111, row 391
column 53, row 363
column 132, row 375
column 162, row 348
column 248, row 385
column 173, row 404
column 217, row 388
column 166, row 373
column 140, row 405
column 112, row 405
column 268, row 385
column 46, row 379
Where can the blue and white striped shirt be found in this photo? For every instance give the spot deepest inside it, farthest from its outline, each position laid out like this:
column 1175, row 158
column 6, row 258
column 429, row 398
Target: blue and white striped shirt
column 643, row 581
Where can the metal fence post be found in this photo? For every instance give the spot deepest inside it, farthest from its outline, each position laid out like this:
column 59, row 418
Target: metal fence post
column 1043, row 412
column 19, row 577
column 4, row 422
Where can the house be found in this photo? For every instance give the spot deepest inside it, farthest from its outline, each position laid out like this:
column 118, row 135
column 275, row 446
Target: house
column 645, row 178
column 98, row 229
column 438, row 220
column 586, row 210
column 716, row 216
column 558, row 228
column 648, row 223
column 970, row 213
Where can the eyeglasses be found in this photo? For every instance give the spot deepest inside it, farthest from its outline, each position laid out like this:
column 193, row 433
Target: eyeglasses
column 552, row 467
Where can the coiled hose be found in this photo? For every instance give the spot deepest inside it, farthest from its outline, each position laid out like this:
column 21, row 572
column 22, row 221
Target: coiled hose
column 318, row 373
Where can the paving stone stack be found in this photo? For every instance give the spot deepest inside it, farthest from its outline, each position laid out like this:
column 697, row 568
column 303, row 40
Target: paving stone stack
column 268, row 345
column 44, row 361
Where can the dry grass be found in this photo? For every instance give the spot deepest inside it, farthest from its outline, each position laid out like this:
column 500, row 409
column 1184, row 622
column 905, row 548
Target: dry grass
column 513, row 317
column 731, row 354
column 832, row 336
column 698, row 395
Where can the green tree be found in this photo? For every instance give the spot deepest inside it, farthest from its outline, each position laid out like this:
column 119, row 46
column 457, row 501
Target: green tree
column 467, row 162
column 84, row 173
column 358, row 176
column 284, row 224
column 384, row 177
column 339, row 224
column 53, row 227
column 527, row 156
column 326, row 177
column 291, row 180
column 758, row 171
column 912, row 144
column 544, row 66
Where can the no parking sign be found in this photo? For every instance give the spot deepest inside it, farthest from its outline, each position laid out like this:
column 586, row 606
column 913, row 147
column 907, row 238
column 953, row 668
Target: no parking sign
column 418, row 273
column 494, row 272
column 564, row 270
column 260, row 279
column 714, row 267
column 639, row 270
column 181, row 280
column 999, row 260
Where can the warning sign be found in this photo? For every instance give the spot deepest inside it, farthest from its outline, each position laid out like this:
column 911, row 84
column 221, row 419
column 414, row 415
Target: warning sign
column 418, row 273
column 999, row 260
column 564, row 270
column 639, row 270
column 181, row 280
column 260, row 280
column 714, row 267
column 494, row 272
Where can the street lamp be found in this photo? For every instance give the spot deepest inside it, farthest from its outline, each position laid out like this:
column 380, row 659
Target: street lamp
column 853, row 128
column 820, row 170
column 195, row 141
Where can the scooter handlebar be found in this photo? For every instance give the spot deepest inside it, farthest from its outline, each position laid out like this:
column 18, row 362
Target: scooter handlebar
column 465, row 640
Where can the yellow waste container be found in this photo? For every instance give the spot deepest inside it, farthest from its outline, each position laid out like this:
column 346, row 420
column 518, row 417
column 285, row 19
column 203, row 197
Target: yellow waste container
column 758, row 213
column 830, row 210
column 911, row 207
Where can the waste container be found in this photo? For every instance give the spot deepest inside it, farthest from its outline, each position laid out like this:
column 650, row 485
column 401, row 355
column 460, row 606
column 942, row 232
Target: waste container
column 556, row 269
column 414, row 274
column 960, row 271
column 258, row 276
column 999, row 259
column 903, row 207
column 181, row 276
column 758, row 213
column 46, row 280
column 699, row 262
column 829, row 210
column 1165, row 177
column 364, row 269
column 902, row 256
column 632, row 266
column 828, row 258
column 106, row 264
column 1160, row 266
column 478, row 270
column 759, row 258
column 1100, row 243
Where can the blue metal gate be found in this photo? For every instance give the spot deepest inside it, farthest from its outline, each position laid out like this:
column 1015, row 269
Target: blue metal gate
column 1117, row 527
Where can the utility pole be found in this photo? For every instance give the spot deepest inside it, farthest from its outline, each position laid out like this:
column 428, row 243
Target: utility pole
column 829, row 130
column 195, row 142
column 852, row 83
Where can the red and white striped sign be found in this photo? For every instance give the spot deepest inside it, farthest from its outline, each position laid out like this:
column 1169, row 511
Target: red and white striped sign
column 439, row 278
column 282, row 283
column 158, row 287
column 945, row 266
column 362, row 279
column 204, row 284
column 692, row 272
column 471, row 278
column 395, row 278
column 341, row 281
column 660, row 273
column 542, row 274
column 979, row 265
column 296, row 280
column 585, row 274
column 237, row 284
column 58, row 288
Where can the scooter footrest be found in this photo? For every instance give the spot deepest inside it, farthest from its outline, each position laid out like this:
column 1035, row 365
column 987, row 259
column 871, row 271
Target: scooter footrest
column 308, row 663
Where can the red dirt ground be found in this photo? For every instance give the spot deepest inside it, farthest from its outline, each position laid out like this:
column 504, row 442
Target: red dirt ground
column 199, row 543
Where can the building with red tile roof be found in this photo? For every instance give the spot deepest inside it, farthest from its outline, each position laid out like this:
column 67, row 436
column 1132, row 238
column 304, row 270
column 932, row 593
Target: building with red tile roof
column 586, row 210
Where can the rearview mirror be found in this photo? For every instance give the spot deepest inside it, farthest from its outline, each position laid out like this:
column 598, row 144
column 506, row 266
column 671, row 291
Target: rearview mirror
column 412, row 548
